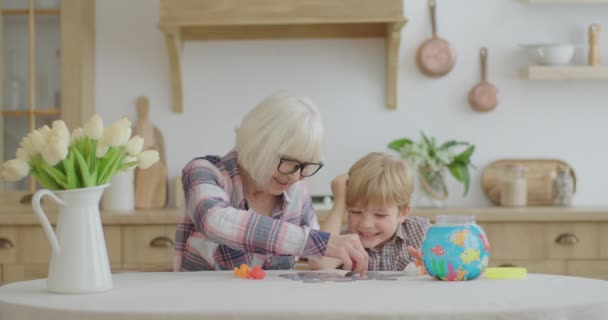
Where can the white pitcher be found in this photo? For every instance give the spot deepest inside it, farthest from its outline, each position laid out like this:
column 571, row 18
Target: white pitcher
column 79, row 263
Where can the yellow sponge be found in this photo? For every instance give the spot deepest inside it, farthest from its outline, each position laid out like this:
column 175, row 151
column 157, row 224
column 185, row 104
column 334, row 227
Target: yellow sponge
column 506, row 273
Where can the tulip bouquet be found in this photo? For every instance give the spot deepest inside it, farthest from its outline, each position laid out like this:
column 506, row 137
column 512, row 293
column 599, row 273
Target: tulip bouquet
column 89, row 156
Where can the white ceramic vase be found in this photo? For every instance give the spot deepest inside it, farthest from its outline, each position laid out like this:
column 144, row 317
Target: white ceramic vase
column 120, row 196
column 79, row 261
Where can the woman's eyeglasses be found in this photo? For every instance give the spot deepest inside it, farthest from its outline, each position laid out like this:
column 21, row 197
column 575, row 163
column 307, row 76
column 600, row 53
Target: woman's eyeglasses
column 307, row 169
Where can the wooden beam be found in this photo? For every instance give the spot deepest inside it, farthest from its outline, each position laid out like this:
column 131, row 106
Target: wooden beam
column 289, row 31
column 173, row 41
column 77, row 51
column 393, row 40
column 183, row 13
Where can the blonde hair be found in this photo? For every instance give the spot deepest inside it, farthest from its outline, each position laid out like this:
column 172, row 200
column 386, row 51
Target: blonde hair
column 280, row 125
column 379, row 179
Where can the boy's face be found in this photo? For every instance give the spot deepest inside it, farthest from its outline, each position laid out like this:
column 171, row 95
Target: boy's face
column 375, row 225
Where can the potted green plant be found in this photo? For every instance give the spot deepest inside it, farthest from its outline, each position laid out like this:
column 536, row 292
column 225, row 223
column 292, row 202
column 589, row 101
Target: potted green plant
column 430, row 159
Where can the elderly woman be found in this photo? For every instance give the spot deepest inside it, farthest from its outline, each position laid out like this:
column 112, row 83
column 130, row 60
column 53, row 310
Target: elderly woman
column 250, row 205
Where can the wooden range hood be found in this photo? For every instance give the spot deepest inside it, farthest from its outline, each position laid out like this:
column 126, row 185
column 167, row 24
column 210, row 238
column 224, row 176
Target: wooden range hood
column 184, row 20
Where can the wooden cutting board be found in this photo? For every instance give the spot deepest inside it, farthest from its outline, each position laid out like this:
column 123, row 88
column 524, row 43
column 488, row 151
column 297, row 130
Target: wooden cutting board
column 539, row 177
column 150, row 183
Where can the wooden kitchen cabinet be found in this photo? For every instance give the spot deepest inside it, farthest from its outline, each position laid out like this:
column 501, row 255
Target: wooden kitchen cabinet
column 140, row 241
column 148, row 246
column 562, row 241
column 551, row 240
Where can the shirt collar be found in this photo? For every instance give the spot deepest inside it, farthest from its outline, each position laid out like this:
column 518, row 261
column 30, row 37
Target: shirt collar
column 399, row 237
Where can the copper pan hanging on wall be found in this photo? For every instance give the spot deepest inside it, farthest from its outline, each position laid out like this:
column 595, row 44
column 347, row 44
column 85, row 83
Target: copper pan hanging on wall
column 435, row 57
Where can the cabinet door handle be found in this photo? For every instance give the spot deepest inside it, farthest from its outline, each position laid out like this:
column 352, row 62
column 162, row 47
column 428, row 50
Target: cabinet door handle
column 566, row 239
column 507, row 265
column 161, row 242
column 6, row 243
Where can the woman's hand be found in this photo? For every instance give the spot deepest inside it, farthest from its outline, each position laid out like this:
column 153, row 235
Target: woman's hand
column 348, row 249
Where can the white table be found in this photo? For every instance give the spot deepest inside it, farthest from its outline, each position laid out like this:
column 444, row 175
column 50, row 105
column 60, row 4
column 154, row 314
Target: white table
column 219, row 295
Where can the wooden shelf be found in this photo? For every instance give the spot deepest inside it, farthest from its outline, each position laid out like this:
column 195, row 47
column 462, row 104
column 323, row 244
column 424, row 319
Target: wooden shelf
column 47, row 112
column 565, row 73
column 186, row 20
column 25, row 12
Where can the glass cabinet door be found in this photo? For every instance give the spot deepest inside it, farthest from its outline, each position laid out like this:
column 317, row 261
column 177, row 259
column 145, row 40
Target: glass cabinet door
column 31, row 74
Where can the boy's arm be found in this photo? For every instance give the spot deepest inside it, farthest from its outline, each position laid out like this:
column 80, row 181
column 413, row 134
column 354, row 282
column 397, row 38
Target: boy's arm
column 333, row 222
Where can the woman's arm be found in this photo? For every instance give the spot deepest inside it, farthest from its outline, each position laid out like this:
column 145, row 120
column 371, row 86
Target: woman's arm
column 209, row 208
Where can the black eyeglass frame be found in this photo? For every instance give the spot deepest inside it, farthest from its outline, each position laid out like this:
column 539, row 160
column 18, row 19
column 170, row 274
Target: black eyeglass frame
column 301, row 166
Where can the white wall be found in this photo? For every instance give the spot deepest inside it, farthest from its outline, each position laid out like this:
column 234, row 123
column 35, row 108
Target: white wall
column 346, row 78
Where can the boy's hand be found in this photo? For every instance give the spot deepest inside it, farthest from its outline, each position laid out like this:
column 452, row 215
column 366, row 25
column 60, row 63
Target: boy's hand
column 338, row 187
column 416, row 253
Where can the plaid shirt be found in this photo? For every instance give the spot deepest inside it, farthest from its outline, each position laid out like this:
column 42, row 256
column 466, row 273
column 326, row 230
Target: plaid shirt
column 393, row 255
column 220, row 232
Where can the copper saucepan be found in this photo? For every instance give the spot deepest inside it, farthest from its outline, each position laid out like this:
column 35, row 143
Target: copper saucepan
column 435, row 57
column 484, row 96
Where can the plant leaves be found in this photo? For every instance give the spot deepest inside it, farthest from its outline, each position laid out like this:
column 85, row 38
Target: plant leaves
column 452, row 143
column 83, row 169
column 57, row 176
column 465, row 156
column 44, row 180
column 460, row 172
column 398, row 144
column 70, row 173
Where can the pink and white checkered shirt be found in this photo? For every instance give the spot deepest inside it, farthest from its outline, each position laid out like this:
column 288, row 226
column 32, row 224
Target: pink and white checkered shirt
column 220, row 232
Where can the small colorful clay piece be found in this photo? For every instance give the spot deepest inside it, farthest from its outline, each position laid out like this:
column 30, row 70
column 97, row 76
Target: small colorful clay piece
column 257, row 273
column 242, row 271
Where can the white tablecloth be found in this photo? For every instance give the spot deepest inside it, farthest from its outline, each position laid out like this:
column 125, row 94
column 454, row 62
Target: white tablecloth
column 219, row 295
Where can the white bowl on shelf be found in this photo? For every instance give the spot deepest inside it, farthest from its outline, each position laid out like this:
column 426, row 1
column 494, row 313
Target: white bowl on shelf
column 551, row 54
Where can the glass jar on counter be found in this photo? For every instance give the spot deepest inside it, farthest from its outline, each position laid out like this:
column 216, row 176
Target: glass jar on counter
column 455, row 248
column 563, row 187
column 514, row 186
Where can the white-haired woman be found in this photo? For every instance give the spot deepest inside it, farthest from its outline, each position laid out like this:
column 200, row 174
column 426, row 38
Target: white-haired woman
column 249, row 205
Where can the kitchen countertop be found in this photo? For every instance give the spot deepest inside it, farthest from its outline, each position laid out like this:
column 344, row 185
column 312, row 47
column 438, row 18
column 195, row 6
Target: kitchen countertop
column 23, row 214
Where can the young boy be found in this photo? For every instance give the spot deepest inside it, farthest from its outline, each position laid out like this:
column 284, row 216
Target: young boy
column 375, row 194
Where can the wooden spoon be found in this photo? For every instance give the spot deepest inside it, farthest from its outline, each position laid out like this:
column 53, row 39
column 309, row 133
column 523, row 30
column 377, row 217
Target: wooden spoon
column 484, row 96
column 435, row 57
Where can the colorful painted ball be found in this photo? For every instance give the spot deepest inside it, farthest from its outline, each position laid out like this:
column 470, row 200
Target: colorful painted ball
column 455, row 248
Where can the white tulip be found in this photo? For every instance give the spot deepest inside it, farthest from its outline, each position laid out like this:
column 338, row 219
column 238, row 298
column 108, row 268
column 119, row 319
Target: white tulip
column 22, row 155
column 112, row 136
column 11, row 175
column 94, row 127
column 129, row 159
column 55, row 151
column 135, row 145
column 77, row 134
column 124, row 123
column 61, row 130
column 147, row 158
column 15, row 170
column 101, row 150
column 45, row 131
column 38, row 141
column 28, row 147
column 126, row 135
